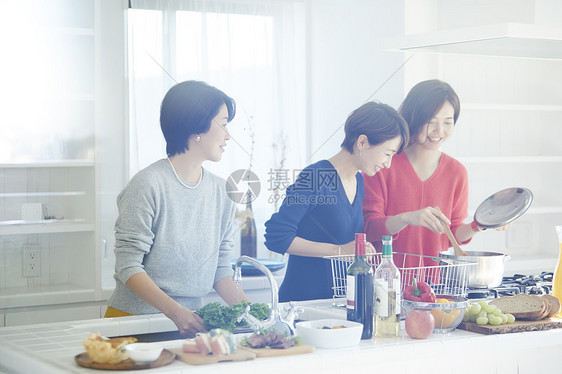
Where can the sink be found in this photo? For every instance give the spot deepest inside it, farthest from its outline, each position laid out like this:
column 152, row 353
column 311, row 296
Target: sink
column 309, row 310
column 319, row 309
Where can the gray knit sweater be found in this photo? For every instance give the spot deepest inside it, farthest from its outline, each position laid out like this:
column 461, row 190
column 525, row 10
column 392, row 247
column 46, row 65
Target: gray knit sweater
column 181, row 237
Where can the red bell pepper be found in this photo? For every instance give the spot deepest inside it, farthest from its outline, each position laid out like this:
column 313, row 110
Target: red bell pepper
column 419, row 291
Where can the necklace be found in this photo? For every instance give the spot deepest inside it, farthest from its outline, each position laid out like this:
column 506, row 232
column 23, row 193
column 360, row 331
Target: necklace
column 178, row 178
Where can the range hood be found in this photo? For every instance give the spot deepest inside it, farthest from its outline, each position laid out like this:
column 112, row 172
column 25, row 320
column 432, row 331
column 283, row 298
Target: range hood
column 505, row 39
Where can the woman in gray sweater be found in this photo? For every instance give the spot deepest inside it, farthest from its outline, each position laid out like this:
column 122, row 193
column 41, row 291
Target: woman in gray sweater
column 174, row 234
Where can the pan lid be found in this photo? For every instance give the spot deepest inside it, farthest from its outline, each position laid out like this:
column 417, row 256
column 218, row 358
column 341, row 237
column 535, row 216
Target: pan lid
column 503, row 207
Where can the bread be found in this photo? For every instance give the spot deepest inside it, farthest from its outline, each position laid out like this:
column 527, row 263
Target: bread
column 554, row 305
column 107, row 351
column 522, row 306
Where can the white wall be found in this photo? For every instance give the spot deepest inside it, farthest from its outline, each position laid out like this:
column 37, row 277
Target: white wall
column 510, row 115
column 346, row 66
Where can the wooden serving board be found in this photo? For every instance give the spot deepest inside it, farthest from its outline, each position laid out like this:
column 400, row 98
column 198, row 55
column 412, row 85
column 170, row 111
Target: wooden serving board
column 272, row 352
column 83, row 359
column 198, row 359
column 517, row 326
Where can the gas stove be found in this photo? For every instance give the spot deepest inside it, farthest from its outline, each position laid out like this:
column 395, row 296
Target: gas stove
column 516, row 284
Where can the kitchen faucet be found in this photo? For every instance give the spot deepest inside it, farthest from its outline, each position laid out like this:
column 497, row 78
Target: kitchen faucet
column 274, row 321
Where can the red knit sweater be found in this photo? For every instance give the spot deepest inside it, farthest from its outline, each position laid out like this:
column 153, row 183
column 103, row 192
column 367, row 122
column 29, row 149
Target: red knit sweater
column 398, row 189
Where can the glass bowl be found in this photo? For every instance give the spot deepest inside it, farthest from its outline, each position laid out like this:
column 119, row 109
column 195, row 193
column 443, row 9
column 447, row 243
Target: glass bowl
column 447, row 315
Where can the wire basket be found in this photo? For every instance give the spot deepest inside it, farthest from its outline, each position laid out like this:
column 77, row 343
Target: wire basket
column 449, row 276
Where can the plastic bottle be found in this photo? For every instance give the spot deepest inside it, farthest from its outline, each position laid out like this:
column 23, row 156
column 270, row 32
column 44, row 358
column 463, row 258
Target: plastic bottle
column 360, row 290
column 387, row 294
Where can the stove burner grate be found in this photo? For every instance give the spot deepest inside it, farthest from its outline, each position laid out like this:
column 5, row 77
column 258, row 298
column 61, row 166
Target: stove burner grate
column 516, row 284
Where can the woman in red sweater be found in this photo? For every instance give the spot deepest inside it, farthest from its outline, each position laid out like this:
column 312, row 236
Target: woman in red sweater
column 424, row 184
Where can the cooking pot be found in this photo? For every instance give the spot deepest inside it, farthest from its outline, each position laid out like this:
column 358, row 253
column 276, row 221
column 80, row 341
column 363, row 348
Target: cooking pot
column 488, row 271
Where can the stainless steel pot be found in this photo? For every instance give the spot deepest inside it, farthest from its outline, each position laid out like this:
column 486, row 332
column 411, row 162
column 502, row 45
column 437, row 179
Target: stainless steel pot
column 489, row 268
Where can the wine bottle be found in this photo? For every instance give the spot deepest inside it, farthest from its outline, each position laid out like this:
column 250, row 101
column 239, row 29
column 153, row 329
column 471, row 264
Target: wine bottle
column 360, row 290
column 248, row 237
column 387, row 294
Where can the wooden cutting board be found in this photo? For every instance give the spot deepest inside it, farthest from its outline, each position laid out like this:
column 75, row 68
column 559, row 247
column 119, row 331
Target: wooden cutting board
column 271, row 352
column 517, row 326
column 197, row 359
column 83, row 359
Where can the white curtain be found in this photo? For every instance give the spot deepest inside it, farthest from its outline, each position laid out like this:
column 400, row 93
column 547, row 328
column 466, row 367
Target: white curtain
column 253, row 51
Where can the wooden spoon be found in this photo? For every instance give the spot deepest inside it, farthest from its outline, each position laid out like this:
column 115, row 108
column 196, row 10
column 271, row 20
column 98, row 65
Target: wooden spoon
column 456, row 247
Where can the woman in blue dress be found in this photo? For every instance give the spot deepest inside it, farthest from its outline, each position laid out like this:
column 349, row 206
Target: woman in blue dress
column 322, row 210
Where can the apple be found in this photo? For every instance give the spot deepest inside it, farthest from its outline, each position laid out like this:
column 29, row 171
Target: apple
column 419, row 324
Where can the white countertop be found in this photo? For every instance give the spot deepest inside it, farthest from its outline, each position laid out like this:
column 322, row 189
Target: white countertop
column 50, row 348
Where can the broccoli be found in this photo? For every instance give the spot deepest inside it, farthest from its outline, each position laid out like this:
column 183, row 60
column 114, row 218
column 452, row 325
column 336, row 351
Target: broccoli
column 215, row 315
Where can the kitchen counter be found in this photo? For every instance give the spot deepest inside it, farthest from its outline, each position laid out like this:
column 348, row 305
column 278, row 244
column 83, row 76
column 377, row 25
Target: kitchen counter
column 50, row 348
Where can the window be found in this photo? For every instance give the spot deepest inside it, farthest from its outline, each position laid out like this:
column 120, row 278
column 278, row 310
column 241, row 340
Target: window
column 253, row 51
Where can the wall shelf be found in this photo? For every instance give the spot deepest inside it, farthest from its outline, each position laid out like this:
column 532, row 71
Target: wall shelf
column 48, row 164
column 509, row 159
column 505, row 40
column 43, row 194
column 512, row 107
column 18, row 227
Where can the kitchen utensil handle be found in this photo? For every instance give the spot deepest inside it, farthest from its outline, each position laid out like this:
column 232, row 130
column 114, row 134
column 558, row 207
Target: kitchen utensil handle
column 457, row 248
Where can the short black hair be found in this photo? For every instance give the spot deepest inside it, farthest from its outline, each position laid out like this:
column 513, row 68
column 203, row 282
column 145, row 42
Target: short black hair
column 378, row 122
column 423, row 101
column 187, row 109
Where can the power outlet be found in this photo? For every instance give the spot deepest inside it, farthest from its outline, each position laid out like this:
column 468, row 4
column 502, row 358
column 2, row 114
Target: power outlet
column 31, row 261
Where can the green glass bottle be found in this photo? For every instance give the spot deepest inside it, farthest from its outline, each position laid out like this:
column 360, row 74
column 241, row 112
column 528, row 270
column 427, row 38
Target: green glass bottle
column 360, row 290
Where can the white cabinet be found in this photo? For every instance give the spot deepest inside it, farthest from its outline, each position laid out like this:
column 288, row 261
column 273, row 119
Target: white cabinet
column 64, row 242
column 65, row 153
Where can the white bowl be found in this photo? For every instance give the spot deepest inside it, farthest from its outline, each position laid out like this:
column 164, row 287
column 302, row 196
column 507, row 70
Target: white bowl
column 143, row 353
column 315, row 333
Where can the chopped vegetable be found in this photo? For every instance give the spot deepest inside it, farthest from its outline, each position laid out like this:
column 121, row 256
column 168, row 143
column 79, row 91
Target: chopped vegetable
column 224, row 317
column 419, row 291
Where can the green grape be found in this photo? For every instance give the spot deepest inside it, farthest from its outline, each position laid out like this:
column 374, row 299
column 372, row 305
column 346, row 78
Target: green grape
column 504, row 318
column 494, row 320
column 468, row 308
column 473, row 317
column 482, row 314
column 482, row 321
column 475, row 309
column 482, row 304
column 497, row 312
column 510, row 318
column 466, row 318
column 491, row 308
